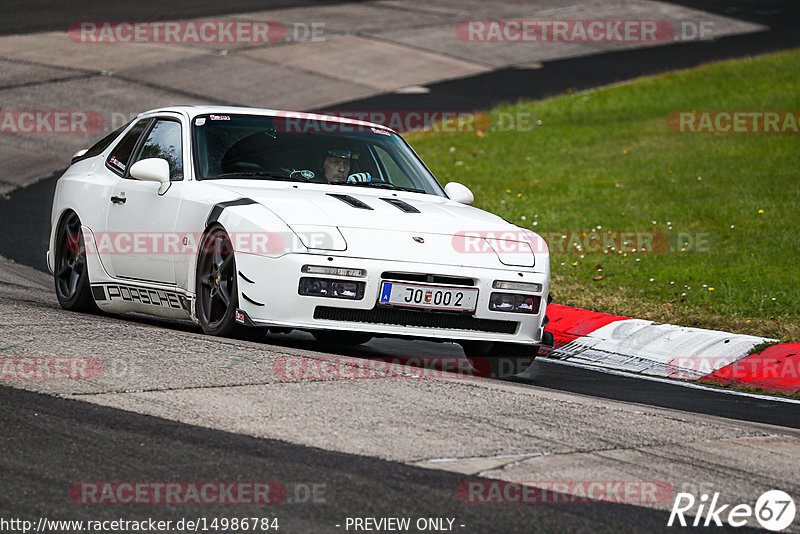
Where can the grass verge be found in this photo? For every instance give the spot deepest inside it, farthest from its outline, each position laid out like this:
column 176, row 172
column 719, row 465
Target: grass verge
column 724, row 208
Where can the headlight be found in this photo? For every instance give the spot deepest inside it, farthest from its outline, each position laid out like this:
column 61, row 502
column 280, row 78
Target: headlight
column 337, row 289
column 511, row 302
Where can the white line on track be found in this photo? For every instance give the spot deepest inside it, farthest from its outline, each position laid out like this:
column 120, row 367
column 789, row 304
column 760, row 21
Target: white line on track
column 496, row 457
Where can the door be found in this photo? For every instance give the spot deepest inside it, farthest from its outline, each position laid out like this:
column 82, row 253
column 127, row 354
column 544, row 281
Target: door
column 140, row 222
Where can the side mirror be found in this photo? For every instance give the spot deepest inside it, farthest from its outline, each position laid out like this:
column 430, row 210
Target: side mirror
column 78, row 154
column 459, row 192
column 152, row 170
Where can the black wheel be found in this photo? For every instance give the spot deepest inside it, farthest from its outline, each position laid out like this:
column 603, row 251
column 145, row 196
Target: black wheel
column 499, row 360
column 340, row 338
column 217, row 294
column 71, row 275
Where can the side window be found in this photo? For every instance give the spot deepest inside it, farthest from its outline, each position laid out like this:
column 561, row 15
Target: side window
column 164, row 141
column 101, row 145
column 121, row 154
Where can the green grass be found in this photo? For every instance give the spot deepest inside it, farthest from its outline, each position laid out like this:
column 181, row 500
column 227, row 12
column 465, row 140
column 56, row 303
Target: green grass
column 606, row 157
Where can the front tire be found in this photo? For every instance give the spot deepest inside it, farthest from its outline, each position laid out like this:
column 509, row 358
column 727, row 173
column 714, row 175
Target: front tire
column 70, row 273
column 216, row 287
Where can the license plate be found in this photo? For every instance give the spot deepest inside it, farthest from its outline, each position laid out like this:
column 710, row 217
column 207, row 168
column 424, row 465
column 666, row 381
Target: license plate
column 429, row 297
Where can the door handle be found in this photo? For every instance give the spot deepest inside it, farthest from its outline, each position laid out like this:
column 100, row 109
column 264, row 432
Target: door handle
column 118, row 200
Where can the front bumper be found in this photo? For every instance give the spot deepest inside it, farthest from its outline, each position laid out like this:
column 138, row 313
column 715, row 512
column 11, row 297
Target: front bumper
column 268, row 294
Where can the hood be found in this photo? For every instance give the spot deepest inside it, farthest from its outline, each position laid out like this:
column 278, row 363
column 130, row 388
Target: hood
column 313, row 204
column 372, row 223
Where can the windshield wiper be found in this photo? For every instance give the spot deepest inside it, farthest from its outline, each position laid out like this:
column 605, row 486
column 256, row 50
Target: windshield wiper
column 386, row 185
column 260, row 174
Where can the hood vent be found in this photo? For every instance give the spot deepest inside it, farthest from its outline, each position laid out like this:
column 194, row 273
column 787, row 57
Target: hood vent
column 399, row 204
column 347, row 199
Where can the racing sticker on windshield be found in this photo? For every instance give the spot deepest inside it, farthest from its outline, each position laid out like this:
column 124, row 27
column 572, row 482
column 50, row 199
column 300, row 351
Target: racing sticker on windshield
column 199, row 122
column 219, row 117
column 117, row 163
column 382, row 132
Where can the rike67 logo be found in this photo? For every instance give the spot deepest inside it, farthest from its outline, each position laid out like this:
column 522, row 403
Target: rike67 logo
column 774, row 510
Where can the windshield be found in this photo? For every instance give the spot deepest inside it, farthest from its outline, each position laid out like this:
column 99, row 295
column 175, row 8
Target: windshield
column 310, row 149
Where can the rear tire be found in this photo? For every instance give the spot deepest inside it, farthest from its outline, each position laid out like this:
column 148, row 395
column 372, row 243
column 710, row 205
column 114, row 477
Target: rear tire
column 499, row 360
column 70, row 272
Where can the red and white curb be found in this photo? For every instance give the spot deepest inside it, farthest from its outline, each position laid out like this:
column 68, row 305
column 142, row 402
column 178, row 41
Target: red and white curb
column 670, row 351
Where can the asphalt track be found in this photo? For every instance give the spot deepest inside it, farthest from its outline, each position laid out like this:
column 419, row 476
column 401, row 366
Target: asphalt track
column 56, row 442
column 29, row 16
column 560, row 376
column 85, row 442
column 510, row 85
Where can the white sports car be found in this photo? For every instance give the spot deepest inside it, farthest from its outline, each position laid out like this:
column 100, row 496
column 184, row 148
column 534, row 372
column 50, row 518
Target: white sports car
column 244, row 220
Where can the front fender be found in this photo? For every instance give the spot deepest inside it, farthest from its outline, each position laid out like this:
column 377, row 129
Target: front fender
column 253, row 230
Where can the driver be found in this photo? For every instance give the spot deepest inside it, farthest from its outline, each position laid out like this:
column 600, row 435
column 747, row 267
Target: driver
column 336, row 164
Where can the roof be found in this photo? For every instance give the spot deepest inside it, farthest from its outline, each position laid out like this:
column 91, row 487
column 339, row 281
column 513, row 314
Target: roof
column 192, row 111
